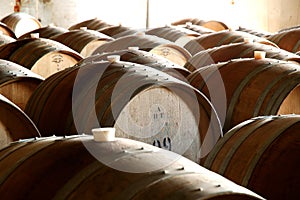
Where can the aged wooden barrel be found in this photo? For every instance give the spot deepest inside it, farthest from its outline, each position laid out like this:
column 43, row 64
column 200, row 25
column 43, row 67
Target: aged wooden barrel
column 151, row 43
column 237, row 50
column 21, row 23
column 195, row 21
column 258, row 33
column 170, row 33
column 70, row 168
column 45, row 32
column 17, row 83
column 7, row 31
column 261, row 154
column 250, row 88
column 210, row 24
column 197, row 28
column 141, row 102
column 5, row 39
column 219, row 38
column 82, row 41
column 114, row 31
column 14, row 123
column 135, row 55
column 93, row 24
column 40, row 55
column 287, row 40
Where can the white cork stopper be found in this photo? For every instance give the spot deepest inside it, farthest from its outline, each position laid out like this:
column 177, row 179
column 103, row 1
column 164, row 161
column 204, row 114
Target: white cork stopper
column 189, row 23
column 259, row 54
column 84, row 28
column 133, row 48
column 35, row 35
column 104, row 134
column 113, row 58
column 248, row 40
column 140, row 33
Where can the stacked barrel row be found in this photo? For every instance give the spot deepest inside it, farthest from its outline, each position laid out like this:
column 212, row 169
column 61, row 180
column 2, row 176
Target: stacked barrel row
column 179, row 87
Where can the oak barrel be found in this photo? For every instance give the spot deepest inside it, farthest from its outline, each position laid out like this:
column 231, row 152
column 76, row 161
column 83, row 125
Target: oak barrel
column 93, row 24
column 14, row 123
column 237, row 50
column 40, row 55
column 151, row 43
column 171, row 33
column 17, row 83
column 135, row 55
column 261, row 154
column 114, row 31
column 245, row 88
column 122, row 169
column 7, row 31
column 141, row 102
column 21, row 23
column 45, row 32
column 82, row 41
column 210, row 24
column 288, row 40
column 219, row 38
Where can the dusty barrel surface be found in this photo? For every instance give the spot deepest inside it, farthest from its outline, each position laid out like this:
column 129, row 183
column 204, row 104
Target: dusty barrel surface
column 122, row 169
column 237, row 50
column 216, row 39
column 151, row 43
column 135, row 55
column 40, row 55
column 261, row 154
column 141, row 102
column 21, row 23
column 45, row 32
column 17, row 83
column 287, row 40
column 14, row 123
column 250, row 88
column 93, row 24
column 7, row 31
column 82, row 41
column 196, row 28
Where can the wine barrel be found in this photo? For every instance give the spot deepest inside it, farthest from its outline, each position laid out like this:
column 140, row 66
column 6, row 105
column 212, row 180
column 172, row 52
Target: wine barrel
column 5, row 39
column 250, row 88
column 195, row 21
column 21, row 23
column 145, row 58
column 122, row 169
column 210, row 24
column 17, row 83
column 113, row 31
column 151, row 43
column 45, row 32
column 14, row 123
column 258, row 33
column 141, row 102
column 7, row 31
column 196, row 28
column 170, row 33
column 82, row 41
column 92, row 24
column 237, row 50
column 40, row 55
column 261, row 154
column 220, row 38
column 287, row 40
